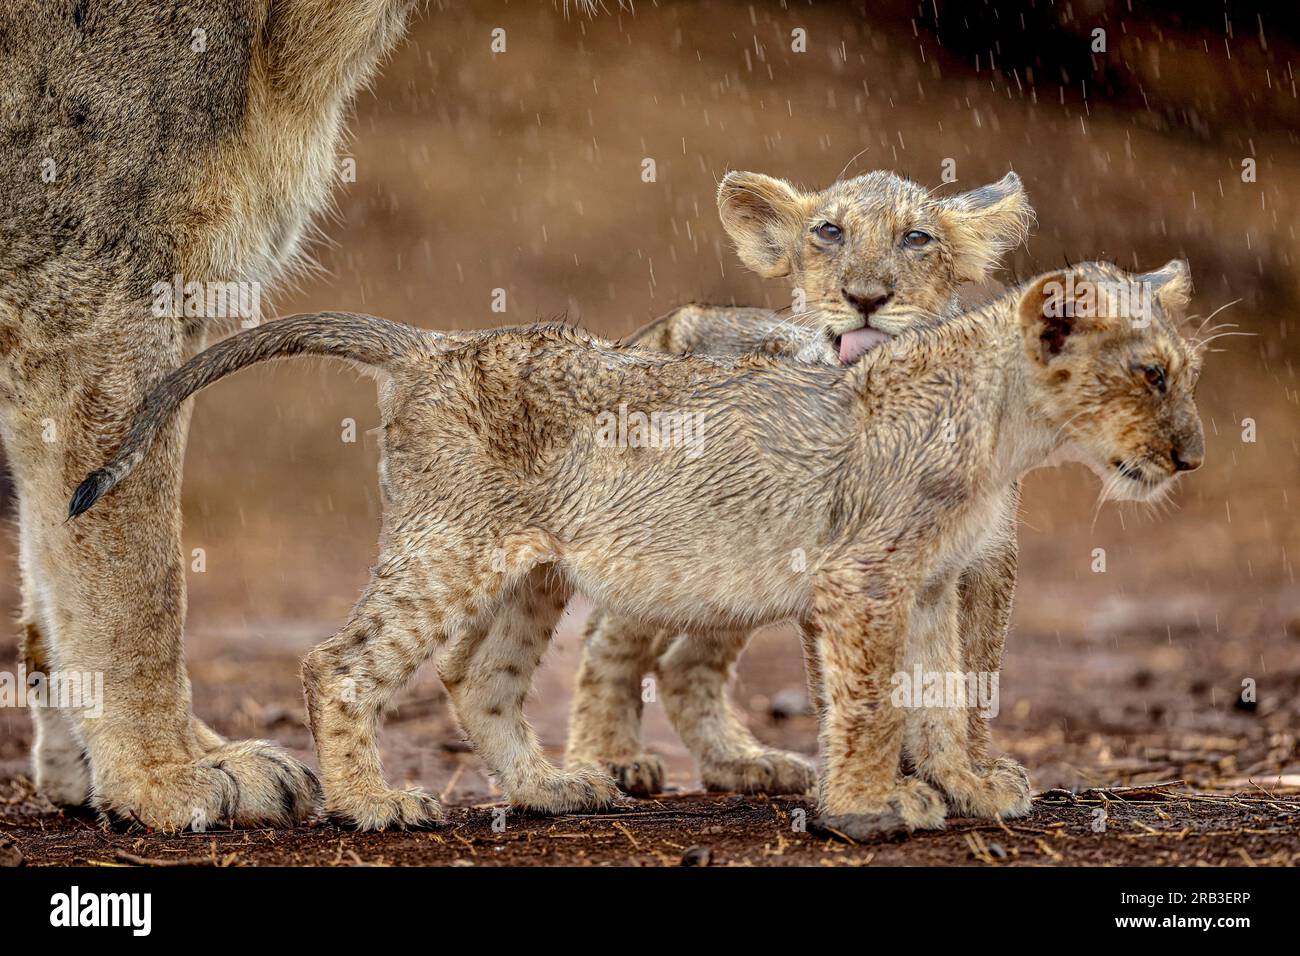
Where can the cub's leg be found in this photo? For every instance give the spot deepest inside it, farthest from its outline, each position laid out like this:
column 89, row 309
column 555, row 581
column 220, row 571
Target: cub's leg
column 860, row 619
column 489, row 672
column 985, row 591
column 605, row 718
column 813, row 668
column 694, row 673
column 349, row 680
column 938, row 724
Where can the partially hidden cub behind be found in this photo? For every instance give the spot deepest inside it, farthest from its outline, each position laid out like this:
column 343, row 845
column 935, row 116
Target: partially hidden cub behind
column 503, row 495
column 867, row 258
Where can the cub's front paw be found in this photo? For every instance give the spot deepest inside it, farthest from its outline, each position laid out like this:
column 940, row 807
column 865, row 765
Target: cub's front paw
column 766, row 771
column 912, row 806
column 583, row 790
column 386, row 809
column 999, row 789
column 862, row 827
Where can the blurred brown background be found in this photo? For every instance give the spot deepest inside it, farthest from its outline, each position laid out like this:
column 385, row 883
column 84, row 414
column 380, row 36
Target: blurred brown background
column 522, row 171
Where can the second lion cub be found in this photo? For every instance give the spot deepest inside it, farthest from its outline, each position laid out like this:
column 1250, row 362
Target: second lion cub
column 871, row 257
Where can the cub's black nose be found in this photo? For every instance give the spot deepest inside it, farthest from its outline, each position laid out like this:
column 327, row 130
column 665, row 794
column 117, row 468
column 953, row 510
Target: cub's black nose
column 866, row 301
column 1181, row 463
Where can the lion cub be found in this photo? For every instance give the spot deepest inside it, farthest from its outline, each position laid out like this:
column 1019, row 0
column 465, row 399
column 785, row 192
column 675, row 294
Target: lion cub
column 503, row 495
column 868, row 258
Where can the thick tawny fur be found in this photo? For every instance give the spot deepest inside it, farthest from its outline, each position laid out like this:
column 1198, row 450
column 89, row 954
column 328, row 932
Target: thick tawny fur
column 146, row 141
column 868, row 275
column 502, row 495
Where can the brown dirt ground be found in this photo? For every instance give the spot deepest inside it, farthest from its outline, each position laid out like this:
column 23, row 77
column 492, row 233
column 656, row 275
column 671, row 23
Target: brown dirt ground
column 1146, row 827
column 522, row 171
column 1182, row 776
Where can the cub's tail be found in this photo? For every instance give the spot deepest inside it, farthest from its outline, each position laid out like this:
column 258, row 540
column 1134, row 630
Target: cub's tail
column 362, row 338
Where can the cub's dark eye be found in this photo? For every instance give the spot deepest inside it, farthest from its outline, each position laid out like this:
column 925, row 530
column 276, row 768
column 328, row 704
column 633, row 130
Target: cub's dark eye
column 916, row 238
column 829, row 232
column 1155, row 376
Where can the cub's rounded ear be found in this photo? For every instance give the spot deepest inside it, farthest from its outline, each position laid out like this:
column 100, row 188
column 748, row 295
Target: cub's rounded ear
column 1171, row 284
column 764, row 218
column 1048, row 314
column 984, row 223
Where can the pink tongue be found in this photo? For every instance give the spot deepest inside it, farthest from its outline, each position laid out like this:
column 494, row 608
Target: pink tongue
column 855, row 344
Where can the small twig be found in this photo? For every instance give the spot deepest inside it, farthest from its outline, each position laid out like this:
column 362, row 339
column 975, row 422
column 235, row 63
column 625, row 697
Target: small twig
column 122, row 856
column 627, row 833
column 841, row 834
column 1042, row 845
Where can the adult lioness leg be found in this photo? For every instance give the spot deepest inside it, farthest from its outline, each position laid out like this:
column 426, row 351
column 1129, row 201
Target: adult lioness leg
column 148, row 758
column 62, row 773
column 260, row 113
column 58, row 756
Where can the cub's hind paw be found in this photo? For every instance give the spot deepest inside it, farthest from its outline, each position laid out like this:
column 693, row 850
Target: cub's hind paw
column 639, row 776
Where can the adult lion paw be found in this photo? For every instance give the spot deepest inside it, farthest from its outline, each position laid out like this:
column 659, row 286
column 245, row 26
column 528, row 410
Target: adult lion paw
column 247, row 783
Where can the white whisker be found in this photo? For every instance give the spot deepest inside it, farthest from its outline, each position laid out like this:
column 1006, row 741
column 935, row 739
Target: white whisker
column 1214, row 313
column 1202, row 343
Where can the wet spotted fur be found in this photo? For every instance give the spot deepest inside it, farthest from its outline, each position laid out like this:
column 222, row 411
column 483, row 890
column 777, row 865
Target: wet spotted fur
column 501, row 498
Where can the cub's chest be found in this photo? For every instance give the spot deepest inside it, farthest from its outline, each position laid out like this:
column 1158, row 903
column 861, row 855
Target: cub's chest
column 972, row 532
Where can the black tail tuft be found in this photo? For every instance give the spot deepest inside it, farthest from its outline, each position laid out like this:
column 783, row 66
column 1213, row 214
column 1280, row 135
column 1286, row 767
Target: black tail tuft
column 88, row 492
